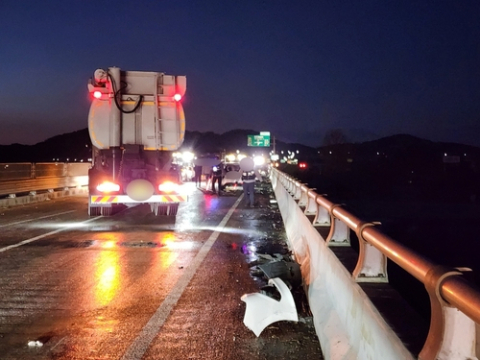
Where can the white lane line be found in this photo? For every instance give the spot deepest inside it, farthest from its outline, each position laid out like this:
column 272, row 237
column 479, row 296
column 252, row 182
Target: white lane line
column 42, row 217
column 44, row 235
column 140, row 345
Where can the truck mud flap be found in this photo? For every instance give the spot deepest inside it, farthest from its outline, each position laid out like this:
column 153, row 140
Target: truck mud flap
column 160, row 209
column 93, row 210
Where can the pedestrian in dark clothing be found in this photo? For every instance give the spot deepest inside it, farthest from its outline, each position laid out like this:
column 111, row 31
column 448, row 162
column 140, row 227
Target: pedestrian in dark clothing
column 248, row 178
column 217, row 173
column 198, row 175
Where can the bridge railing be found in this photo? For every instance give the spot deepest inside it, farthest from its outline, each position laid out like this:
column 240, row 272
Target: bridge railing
column 20, row 178
column 455, row 302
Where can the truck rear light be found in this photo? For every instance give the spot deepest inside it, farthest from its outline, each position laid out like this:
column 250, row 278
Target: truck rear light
column 107, row 187
column 168, row 187
column 100, row 94
column 177, row 97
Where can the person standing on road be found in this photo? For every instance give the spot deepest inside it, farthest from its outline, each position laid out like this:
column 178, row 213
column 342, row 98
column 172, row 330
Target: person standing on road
column 217, row 173
column 198, row 175
column 248, row 178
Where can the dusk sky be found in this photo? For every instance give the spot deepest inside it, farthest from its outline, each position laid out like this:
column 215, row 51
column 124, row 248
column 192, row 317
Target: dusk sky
column 294, row 68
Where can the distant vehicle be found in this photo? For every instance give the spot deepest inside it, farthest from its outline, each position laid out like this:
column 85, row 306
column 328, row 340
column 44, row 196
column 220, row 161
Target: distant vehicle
column 187, row 173
column 302, row 165
column 233, row 174
column 136, row 121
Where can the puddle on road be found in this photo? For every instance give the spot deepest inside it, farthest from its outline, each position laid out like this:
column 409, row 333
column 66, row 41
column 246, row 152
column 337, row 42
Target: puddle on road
column 139, row 244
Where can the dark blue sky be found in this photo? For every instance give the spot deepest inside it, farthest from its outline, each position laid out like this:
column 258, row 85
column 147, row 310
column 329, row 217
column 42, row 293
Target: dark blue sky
column 295, row 68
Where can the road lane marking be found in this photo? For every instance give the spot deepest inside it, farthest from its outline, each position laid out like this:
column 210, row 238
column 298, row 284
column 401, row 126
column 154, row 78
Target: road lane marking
column 42, row 217
column 139, row 346
column 44, row 235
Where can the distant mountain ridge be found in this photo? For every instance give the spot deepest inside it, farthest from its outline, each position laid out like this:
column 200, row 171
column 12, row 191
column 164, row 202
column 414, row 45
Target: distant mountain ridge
column 76, row 146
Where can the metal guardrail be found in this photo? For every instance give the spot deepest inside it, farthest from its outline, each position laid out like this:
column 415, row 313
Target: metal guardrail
column 455, row 302
column 19, row 178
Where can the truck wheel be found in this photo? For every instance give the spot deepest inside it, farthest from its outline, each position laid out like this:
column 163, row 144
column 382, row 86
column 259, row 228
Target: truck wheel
column 93, row 210
column 106, row 211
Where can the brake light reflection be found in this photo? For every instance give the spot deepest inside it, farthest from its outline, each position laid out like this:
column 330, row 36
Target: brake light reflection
column 107, row 270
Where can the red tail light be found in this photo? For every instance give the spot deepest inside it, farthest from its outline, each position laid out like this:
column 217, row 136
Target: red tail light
column 168, row 187
column 177, row 97
column 107, row 187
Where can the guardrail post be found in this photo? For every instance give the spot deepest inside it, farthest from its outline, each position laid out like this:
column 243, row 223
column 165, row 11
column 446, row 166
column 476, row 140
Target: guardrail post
column 452, row 333
column 339, row 232
column 311, row 207
column 297, row 191
column 322, row 216
column 290, row 187
column 302, row 202
column 372, row 264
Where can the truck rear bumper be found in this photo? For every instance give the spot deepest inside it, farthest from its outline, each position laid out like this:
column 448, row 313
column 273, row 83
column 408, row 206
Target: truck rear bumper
column 125, row 199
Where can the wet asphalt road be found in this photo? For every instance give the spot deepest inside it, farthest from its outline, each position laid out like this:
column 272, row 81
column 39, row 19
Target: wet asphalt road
column 136, row 286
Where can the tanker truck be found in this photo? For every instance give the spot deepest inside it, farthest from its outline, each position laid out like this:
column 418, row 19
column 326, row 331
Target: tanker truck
column 135, row 122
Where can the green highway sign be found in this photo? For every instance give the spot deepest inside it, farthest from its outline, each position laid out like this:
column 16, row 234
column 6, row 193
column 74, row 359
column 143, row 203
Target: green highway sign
column 262, row 140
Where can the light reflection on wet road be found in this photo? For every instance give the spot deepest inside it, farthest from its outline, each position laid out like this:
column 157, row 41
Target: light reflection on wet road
column 86, row 292
column 107, row 273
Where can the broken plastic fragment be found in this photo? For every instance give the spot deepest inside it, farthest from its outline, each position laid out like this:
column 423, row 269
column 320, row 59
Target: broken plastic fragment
column 262, row 310
column 33, row 343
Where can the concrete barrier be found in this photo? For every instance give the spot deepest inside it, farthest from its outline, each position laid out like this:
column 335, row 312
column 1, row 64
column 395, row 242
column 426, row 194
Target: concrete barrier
column 28, row 199
column 347, row 323
column 23, row 183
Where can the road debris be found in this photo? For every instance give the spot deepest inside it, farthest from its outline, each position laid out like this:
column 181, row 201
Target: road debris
column 33, row 343
column 262, row 310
